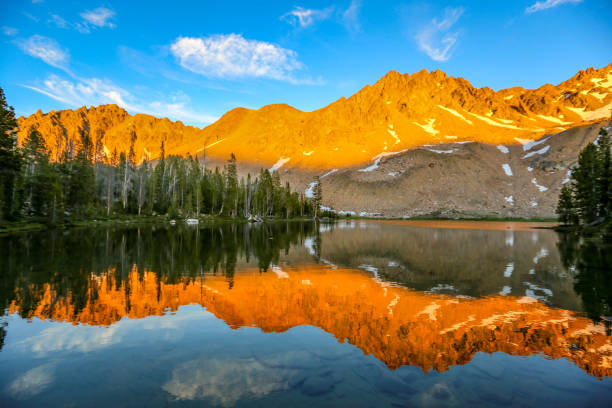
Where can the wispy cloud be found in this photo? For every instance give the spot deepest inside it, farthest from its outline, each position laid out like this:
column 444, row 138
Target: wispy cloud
column 350, row 17
column 306, row 17
column 543, row 5
column 32, row 382
column 46, row 49
column 97, row 18
column 10, row 31
column 76, row 92
column 81, row 92
column 233, row 56
column 31, row 17
column 100, row 17
column 436, row 40
column 58, row 21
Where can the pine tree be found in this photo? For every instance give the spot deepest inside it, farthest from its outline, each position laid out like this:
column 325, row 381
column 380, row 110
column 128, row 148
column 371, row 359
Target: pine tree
column 231, row 186
column 565, row 206
column 604, row 179
column 40, row 176
column 317, row 197
column 10, row 162
column 142, row 181
column 82, row 179
column 586, row 189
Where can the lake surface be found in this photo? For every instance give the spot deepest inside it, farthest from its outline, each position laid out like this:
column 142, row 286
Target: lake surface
column 355, row 313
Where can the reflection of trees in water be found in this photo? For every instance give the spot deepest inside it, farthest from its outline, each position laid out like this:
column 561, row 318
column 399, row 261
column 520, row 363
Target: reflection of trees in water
column 3, row 325
column 67, row 261
column 592, row 260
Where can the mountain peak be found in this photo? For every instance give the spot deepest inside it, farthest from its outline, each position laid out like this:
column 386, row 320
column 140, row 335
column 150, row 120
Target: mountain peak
column 398, row 112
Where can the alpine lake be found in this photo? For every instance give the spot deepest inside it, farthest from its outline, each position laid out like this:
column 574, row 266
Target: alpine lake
column 289, row 314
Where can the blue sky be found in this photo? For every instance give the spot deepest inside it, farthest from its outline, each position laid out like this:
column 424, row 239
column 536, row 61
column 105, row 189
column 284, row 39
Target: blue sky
column 193, row 61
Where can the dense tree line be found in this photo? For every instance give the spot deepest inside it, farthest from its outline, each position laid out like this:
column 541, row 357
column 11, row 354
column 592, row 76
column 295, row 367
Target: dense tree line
column 68, row 261
column 84, row 181
column 588, row 196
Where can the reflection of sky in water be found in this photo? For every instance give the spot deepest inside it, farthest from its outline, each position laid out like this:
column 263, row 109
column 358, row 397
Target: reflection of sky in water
column 203, row 361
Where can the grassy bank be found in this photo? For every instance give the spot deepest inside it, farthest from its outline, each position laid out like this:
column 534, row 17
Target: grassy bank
column 604, row 228
column 444, row 218
column 30, row 225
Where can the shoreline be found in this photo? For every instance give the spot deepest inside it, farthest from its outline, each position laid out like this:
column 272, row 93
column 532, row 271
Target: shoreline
column 8, row 228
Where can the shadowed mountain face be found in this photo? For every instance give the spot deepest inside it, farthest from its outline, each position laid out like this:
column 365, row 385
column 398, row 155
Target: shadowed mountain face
column 400, row 147
column 407, row 295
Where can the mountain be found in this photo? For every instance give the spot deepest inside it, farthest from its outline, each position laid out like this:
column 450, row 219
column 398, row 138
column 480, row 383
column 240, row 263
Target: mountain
column 406, row 145
column 399, row 111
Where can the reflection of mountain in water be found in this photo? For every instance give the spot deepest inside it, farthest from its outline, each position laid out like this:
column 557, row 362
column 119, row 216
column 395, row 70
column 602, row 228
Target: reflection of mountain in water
column 396, row 325
column 456, row 261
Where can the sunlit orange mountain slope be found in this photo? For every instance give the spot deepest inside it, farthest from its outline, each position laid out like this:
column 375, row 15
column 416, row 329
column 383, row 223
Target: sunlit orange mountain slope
column 399, row 111
column 396, row 325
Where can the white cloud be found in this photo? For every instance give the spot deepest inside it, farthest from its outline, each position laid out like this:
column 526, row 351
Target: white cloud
column 543, row 5
column 436, row 40
column 99, row 17
column 94, row 91
column 58, row 21
column 350, row 17
column 232, row 55
column 227, row 381
column 46, row 49
column 306, row 17
column 10, row 31
column 32, row 382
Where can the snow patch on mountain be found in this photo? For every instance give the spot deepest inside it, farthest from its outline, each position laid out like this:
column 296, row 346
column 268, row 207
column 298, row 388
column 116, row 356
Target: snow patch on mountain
column 541, row 188
column 507, row 169
column 503, row 149
column 492, row 122
column 310, row 190
column 523, row 141
column 429, row 127
column 279, row 164
column 532, row 143
column 602, row 112
column 457, row 114
column 541, row 151
column 553, row 119
column 568, row 176
column 392, row 133
column 378, row 158
column 441, row 151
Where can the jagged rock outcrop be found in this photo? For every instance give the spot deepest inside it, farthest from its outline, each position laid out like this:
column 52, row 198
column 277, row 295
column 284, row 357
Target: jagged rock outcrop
column 399, row 111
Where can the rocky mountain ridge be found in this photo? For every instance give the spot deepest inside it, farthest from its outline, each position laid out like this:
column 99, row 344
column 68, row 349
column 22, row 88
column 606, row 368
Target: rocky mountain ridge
column 399, row 111
column 408, row 145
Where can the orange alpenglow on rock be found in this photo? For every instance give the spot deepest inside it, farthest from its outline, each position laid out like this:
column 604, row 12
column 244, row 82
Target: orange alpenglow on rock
column 398, row 112
column 396, row 325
